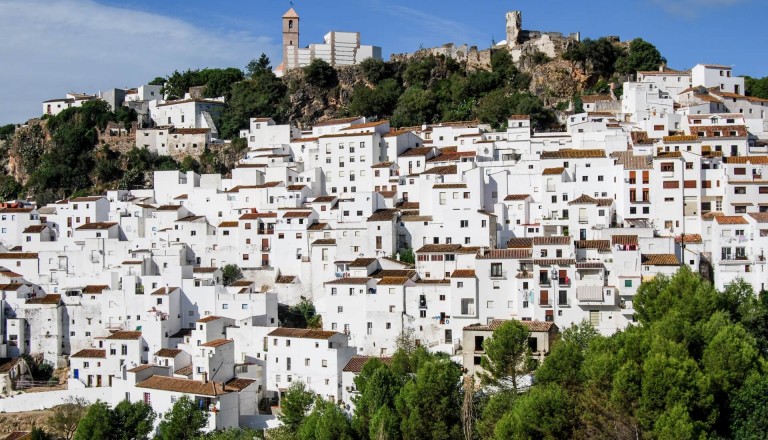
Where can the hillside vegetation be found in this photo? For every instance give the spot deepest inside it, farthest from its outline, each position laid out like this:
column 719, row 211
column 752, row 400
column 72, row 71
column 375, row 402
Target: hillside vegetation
column 63, row 156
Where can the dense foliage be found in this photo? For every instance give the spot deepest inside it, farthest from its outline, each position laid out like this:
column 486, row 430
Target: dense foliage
column 126, row 421
column 757, row 87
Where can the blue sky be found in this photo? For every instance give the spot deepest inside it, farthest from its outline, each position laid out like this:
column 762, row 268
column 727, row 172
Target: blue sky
column 49, row 47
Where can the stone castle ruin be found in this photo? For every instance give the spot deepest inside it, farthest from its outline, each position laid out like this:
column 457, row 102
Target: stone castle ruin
column 519, row 42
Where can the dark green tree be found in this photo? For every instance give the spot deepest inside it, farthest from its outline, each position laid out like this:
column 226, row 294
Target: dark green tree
column 545, row 412
column 258, row 67
column 321, row 74
column 231, row 273
column 184, row 421
column 96, row 424
column 641, row 55
column 326, row 421
column 295, row 405
column 132, row 421
column 757, row 87
column 416, row 106
column 749, row 419
column 430, row 404
column 507, row 355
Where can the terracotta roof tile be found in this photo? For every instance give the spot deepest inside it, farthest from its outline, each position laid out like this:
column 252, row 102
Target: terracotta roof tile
column 506, row 254
column 209, row 319
column 553, row 240
column 463, row 273
column 34, row 229
column 393, row 281
column 356, row 363
column 325, row 242
column 516, row 197
column 552, row 171
column 239, row 384
column 90, row 353
column 600, row 245
column 168, row 352
column 659, row 260
column 95, row 289
column 569, row 153
column 624, row 240
column 217, row 343
column 450, row 186
column 350, row 280
column 125, row 335
column 47, row 299
column 182, row 386
column 285, row 279
column 731, row 220
column 303, row 333
column 439, row 248
column 690, row 238
column 519, row 242
column 383, row 215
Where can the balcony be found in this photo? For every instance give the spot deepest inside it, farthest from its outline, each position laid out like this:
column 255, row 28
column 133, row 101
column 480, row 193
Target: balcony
column 266, row 248
column 564, row 282
column 734, row 260
column 544, row 282
column 545, row 303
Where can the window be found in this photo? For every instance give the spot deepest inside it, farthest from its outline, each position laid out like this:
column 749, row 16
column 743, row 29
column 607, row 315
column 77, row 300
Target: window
column 667, row 166
column 627, row 283
column 324, row 363
column 496, row 270
column 464, row 223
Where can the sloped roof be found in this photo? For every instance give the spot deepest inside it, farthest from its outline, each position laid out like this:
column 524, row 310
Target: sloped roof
column 186, row 386
column 356, row 363
column 659, row 260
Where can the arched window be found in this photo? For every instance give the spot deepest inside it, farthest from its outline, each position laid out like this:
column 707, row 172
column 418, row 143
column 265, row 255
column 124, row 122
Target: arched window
column 290, row 24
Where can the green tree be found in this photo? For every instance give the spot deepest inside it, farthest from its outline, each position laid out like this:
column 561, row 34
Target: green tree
column 376, row 71
column 494, row 409
column 749, row 419
column 545, row 412
column 305, row 310
column 757, row 87
column 418, row 73
column 64, row 418
column 598, row 57
column 507, row 355
column 96, row 424
column 132, row 421
column 263, row 95
column 415, row 106
column 407, row 256
column 231, row 273
column 325, row 422
column 378, row 387
column 378, row 102
column 6, row 131
column 295, row 405
column 184, row 421
column 258, row 67
column 321, row 74
column 430, row 404
column 641, row 55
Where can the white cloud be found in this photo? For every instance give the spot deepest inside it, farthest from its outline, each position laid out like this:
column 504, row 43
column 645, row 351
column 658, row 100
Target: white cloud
column 51, row 47
column 691, row 9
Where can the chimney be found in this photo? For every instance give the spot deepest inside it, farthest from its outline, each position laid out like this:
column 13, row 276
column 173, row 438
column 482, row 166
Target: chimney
column 205, row 377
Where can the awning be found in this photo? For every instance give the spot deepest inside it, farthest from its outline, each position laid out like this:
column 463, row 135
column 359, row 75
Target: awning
column 589, row 293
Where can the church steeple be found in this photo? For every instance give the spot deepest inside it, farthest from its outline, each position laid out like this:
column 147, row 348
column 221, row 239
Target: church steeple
column 290, row 38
